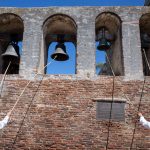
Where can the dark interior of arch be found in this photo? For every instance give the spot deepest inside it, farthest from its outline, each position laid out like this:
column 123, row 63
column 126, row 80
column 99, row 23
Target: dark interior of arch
column 145, row 42
column 112, row 23
column 11, row 33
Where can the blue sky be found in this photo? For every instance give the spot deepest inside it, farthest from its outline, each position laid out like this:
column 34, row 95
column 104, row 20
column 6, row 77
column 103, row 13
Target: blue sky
column 68, row 67
column 45, row 3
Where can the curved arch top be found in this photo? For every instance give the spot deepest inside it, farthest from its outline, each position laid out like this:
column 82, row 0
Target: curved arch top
column 145, row 23
column 12, row 21
column 61, row 15
column 108, row 19
column 60, row 24
column 12, row 25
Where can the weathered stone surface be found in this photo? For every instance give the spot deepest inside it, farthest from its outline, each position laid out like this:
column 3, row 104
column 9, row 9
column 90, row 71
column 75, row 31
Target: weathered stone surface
column 84, row 17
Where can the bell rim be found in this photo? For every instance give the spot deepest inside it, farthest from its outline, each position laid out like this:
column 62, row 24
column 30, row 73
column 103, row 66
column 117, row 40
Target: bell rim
column 103, row 49
column 5, row 55
column 64, row 55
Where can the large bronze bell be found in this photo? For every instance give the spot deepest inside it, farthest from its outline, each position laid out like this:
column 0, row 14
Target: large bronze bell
column 60, row 53
column 103, row 44
column 12, row 53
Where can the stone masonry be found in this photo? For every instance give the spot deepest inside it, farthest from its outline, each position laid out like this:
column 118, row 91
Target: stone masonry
column 84, row 17
column 58, row 112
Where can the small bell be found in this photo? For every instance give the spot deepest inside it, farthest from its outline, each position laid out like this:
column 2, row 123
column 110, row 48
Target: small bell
column 60, row 53
column 12, row 53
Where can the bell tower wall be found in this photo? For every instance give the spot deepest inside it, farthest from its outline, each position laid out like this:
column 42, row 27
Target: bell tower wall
column 84, row 17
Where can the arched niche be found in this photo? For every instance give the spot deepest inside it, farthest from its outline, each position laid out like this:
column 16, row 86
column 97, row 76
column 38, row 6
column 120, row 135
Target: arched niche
column 112, row 25
column 59, row 25
column 11, row 31
column 145, row 41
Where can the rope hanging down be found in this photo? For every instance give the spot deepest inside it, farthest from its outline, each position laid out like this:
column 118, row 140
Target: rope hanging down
column 113, row 87
column 115, row 75
column 10, row 112
column 2, row 81
column 140, row 98
column 5, row 120
column 127, row 99
column 146, row 59
column 28, row 84
column 22, row 122
column 138, row 111
column 15, row 139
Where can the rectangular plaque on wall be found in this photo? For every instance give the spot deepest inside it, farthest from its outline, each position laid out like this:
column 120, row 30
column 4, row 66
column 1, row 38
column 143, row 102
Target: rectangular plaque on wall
column 103, row 109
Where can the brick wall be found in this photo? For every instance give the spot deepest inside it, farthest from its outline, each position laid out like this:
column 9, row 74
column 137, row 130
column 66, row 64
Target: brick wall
column 63, row 114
